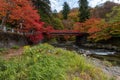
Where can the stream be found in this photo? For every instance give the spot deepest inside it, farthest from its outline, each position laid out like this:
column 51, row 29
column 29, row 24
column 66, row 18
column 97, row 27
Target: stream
column 97, row 57
column 102, row 54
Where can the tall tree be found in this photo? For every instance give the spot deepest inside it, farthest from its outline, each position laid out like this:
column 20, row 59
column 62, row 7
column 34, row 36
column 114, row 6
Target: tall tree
column 55, row 13
column 66, row 10
column 43, row 5
column 44, row 9
column 84, row 10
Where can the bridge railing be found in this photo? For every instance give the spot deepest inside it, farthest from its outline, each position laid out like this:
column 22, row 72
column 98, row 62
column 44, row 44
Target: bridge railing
column 15, row 31
column 48, row 32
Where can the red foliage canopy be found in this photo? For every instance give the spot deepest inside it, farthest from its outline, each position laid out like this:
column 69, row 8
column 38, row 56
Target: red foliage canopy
column 22, row 11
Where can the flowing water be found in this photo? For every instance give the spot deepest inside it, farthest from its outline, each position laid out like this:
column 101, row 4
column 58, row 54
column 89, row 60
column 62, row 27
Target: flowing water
column 102, row 54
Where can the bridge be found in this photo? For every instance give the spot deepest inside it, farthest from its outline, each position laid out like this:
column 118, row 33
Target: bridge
column 65, row 32
column 50, row 32
column 81, row 37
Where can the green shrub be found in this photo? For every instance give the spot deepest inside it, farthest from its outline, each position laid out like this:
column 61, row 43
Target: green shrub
column 2, row 50
column 57, row 23
column 15, row 47
column 45, row 62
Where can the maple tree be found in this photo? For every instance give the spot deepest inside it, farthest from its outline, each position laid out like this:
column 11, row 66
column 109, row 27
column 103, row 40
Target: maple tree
column 21, row 11
column 95, row 27
column 90, row 25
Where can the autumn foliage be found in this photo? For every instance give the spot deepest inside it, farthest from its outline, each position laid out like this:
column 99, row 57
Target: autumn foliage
column 21, row 11
column 89, row 26
column 95, row 27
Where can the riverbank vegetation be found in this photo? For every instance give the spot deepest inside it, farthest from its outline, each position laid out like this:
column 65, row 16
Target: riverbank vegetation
column 45, row 62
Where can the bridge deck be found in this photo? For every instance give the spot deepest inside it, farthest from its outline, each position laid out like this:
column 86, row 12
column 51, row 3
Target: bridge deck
column 65, row 32
column 48, row 32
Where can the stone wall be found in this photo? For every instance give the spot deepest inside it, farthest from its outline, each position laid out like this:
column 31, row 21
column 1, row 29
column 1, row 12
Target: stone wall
column 8, row 40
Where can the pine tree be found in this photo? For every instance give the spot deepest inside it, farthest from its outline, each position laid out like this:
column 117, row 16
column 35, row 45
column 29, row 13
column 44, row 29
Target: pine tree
column 55, row 13
column 84, row 10
column 44, row 9
column 66, row 10
column 43, row 5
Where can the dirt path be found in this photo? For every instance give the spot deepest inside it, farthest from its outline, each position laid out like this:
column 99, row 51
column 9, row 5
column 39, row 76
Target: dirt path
column 13, row 52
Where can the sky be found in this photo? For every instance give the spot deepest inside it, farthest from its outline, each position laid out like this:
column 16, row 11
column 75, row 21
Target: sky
column 58, row 4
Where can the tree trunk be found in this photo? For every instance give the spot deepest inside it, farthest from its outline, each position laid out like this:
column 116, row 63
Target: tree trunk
column 4, row 20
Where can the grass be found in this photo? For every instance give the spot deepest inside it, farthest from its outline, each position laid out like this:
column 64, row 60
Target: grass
column 45, row 62
column 3, row 50
column 15, row 47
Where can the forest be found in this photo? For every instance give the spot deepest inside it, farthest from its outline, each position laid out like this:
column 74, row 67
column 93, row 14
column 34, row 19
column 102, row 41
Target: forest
column 101, row 22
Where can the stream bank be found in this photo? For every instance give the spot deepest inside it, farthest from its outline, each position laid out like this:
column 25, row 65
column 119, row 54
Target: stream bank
column 110, row 44
column 102, row 46
column 107, row 60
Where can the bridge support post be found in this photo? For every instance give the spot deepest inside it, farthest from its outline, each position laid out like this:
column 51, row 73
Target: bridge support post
column 77, row 41
column 81, row 39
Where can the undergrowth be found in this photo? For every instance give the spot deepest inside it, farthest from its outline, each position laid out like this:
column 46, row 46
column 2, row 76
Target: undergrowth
column 45, row 62
column 15, row 47
column 2, row 50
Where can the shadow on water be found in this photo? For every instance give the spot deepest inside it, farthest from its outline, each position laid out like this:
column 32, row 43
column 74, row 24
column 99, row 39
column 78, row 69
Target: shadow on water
column 102, row 54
